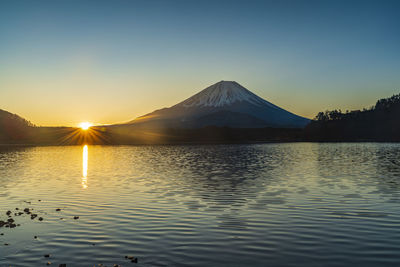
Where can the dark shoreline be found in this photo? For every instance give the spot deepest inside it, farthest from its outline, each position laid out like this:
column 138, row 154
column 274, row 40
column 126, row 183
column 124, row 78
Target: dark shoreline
column 316, row 132
column 204, row 143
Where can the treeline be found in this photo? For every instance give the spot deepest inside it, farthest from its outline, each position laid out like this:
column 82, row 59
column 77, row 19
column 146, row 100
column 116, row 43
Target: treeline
column 378, row 123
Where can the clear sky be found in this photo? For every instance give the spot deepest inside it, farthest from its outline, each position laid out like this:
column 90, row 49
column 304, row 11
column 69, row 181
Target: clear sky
column 63, row 62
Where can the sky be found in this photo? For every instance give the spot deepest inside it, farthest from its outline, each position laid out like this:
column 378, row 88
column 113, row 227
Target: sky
column 64, row 62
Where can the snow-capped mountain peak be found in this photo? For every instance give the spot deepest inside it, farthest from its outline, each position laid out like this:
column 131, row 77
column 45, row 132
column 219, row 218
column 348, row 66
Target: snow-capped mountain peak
column 225, row 103
column 221, row 94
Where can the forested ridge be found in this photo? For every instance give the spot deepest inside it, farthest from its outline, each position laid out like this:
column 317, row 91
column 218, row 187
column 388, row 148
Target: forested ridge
column 380, row 122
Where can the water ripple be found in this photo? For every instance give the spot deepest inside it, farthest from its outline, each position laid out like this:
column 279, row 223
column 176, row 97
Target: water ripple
column 225, row 205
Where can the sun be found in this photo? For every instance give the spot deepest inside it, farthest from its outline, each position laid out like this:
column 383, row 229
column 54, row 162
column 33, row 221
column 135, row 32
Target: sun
column 85, row 125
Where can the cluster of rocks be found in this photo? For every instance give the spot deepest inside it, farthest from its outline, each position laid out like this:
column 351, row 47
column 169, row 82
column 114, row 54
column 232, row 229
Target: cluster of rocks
column 33, row 215
column 132, row 259
column 10, row 223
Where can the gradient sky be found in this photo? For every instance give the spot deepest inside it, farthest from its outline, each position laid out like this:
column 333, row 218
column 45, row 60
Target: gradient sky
column 63, row 62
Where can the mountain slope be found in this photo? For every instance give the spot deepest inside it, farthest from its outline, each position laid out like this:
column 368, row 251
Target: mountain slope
column 13, row 127
column 225, row 103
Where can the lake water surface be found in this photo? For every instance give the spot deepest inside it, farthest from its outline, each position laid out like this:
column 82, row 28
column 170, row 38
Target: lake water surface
column 298, row 204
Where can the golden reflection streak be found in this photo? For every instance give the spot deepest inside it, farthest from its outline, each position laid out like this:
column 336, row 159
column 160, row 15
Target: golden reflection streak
column 84, row 166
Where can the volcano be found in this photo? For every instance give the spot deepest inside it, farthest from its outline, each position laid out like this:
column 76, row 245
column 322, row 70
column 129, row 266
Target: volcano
column 225, row 103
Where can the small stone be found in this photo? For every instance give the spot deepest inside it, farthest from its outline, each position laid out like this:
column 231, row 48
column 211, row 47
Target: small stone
column 39, row 200
column 16, row 208
column 40, row 219
column 58, row 209
column 133, row 259
column 8, row 212
column 76, row 217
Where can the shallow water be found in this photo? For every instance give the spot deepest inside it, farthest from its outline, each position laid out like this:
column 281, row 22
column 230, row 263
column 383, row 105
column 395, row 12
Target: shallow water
column 298, row 204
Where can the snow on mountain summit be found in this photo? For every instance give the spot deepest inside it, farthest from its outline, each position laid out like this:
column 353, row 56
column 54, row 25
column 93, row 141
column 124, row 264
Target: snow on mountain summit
column 221, row 94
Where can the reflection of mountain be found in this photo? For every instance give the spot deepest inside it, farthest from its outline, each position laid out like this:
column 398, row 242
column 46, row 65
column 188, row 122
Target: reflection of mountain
column 215, row 178
column 222, row 104
column 222, row 175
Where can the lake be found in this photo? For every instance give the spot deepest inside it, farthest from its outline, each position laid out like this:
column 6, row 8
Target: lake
column 290, row 204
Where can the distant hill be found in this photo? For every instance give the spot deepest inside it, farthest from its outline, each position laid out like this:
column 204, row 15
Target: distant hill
column 224, row 104
column 17, row 130
column 13, row 128
column 378, row 123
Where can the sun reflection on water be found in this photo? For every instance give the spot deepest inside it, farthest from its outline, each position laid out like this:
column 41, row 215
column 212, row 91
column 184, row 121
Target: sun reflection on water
column 84, row 166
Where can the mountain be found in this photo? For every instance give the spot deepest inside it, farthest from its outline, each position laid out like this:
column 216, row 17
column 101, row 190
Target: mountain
column 13, row 127
column 225, row 103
